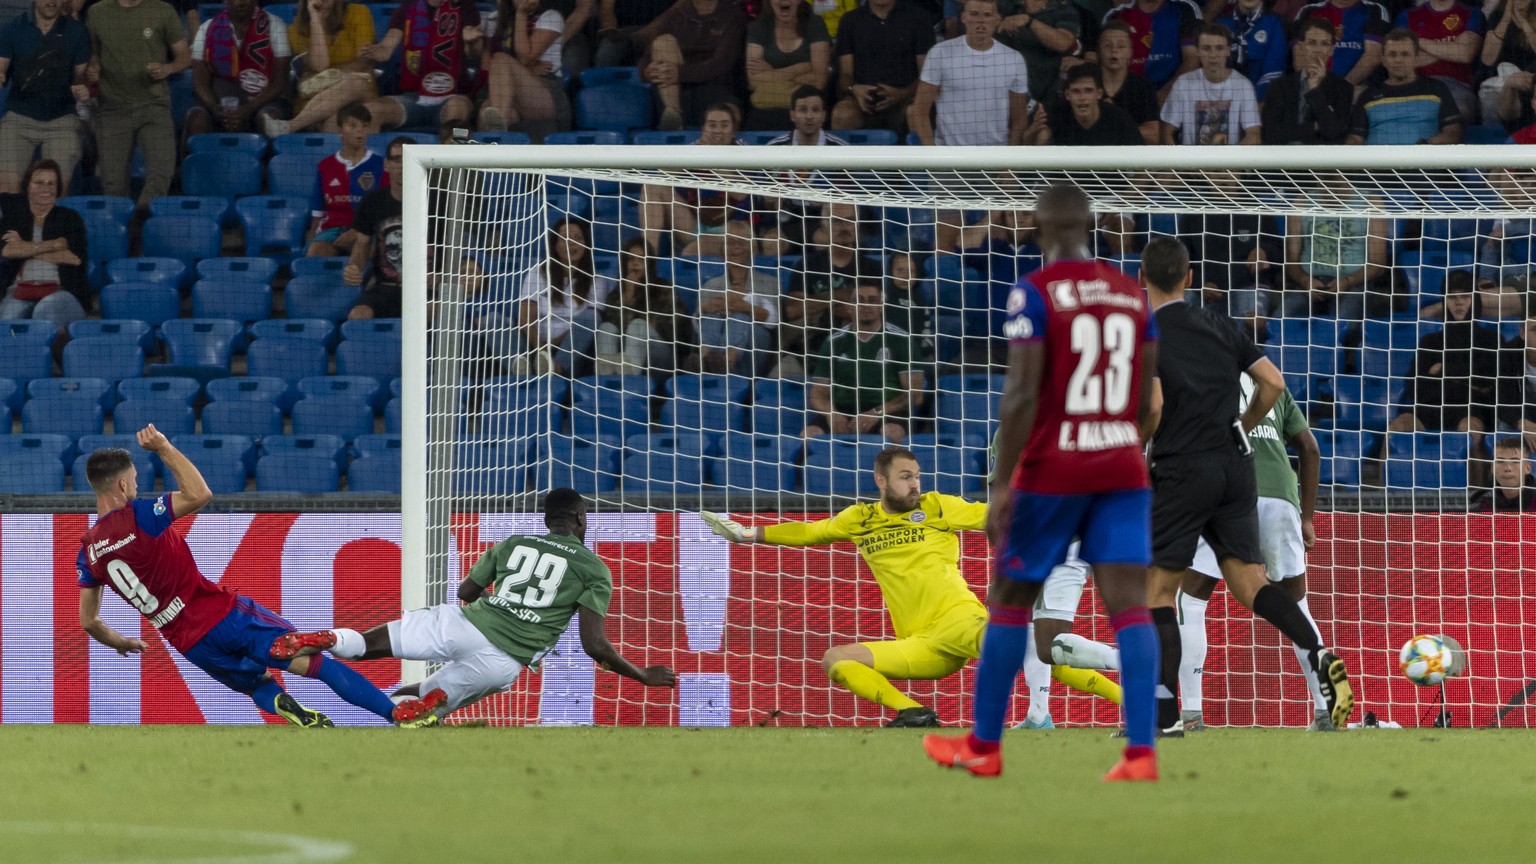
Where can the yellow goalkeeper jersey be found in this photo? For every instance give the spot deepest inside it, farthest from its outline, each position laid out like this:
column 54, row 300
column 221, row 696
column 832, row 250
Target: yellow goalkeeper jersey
column 914, row 556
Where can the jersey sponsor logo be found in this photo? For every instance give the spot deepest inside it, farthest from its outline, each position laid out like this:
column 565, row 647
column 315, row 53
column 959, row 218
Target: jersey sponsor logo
column 1093, row 435
column 1062, row 293
column 103, row 547
column 1264, row 430
column 160, row 506
column 919, row 516
column 1018, row 328
column 890, row 538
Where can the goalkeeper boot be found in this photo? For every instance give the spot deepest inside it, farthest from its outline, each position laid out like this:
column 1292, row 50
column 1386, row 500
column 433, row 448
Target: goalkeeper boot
column 1139, row 768
column 1191, row 721
column 1321, row 722
column 289, row 709
column 420, row 713
column 914, row 718
column 1333, row 681
column 291, row 645
column 954, row 751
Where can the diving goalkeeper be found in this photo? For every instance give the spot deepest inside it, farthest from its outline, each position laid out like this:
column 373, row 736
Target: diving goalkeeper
column 909, row 539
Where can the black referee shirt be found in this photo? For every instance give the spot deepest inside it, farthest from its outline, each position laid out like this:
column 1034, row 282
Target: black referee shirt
column 1200, row 354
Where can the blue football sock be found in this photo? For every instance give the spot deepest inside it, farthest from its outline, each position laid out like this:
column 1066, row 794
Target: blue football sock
column 266, row 695
column 1002, row 655
column 351, row 686
column 1137, row 638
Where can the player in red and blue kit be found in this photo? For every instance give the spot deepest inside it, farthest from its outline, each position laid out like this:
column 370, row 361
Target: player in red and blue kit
column 1076, row 409
column 1162, row 37
column 341, row 181
column 132, row 549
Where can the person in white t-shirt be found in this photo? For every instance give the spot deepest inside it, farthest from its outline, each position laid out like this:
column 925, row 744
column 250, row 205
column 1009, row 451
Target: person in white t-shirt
column 523, row 84
column 1212, row 104
column 980, row 86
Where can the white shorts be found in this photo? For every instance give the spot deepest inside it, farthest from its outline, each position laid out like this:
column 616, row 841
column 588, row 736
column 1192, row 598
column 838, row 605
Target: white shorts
column 1285, row 555
column 474, row 668
column 1063, row 589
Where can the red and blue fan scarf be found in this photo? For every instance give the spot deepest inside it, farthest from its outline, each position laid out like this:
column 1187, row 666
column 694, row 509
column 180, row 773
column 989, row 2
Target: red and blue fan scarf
column 434, row 49
column 251, row 62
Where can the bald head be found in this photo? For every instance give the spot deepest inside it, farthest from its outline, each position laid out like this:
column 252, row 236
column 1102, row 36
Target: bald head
column 1064, row 218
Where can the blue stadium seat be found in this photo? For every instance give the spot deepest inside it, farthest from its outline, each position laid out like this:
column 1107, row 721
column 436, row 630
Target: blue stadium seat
column 611, row 413
column 21, row 474
column 778, row 407
column 1426, row 460
column 141, row 460
column 618, row 108
column 212, row 206
column 509, row 137
column 168, row 271
column 247, row 388
column 224, row 472
column 358, row 387
column 9, row 394
column 250, row 418
column 966, row 413
column 712, row 403
column 248, row 143
column 664, row 464
column 150, row 302
column 105, row 240
column 1387, row 347
column 316, row 144
column 293, row 172
column 1425, row 271
column 372, row 328
column 325, row 444
column 397, row 383
column 598, row 76
column 241, row 447
column 59, row 415
column 375, row 473
column 1361, row 403
column 952, row 466
column 199, row 348
column 342, row 416
column 274, row 225
column 373, row 444
column 1340, row 457
column 588, row 466
column 238, row 269
column 392, row 416
column 110, row 357
column 317, row 329
column 319, row 296
column 288, row 358
column 98, row 389
column 25, row 355
column 512, row 406
column 124, row 328
column 650, row 137
column 185, row 238
column 59, row 447
column 489, row 468
column 378, row 142
column 112, row 208
column 758, row 463
column 840, row 465
column 329, row 266
column 377, row 358
column 592, row 138
column 183, row 390
column 232, row 299
column 170, row 416
column 869, row 137
column 296, row 472
column 758, row 137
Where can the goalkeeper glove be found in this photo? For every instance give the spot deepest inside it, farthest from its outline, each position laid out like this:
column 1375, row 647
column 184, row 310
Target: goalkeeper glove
column 726, row 527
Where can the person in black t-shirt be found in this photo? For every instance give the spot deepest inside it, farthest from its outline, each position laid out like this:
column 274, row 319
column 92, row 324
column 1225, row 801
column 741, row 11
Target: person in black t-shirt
column 1513, row 490
column 1202, row 473
column 1085, row 118
column 377, row 222
column 880, row 51
column 1124, row 87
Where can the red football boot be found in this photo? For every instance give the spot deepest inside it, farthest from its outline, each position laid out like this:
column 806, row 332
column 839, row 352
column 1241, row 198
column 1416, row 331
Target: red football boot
column 954, row 751
column 291, row 645
column 416, row 713
column 1142, row 767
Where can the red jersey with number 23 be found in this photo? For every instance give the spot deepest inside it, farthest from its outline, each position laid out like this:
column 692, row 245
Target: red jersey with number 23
column 134, row 551
column 1093, row 320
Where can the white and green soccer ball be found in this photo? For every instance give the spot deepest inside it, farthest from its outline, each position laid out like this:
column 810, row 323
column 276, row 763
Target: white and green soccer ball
column 1425, row 660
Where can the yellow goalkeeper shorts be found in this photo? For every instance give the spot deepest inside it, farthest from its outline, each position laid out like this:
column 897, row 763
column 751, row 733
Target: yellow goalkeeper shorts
column 938, row 652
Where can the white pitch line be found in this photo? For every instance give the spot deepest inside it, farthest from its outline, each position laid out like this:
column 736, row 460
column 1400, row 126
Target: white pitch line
column 286, row 848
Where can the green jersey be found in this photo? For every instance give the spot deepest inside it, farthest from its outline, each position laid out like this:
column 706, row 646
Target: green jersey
column 538, row 583
column 1271, row 464
column 865, row 372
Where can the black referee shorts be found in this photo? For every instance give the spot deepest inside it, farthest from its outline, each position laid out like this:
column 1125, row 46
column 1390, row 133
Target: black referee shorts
column 1210, row 494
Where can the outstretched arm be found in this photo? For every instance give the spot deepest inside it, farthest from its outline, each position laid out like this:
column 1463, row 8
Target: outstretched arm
column 192, row 493
column 594, row 641
column 90, row 622
column 782, row 534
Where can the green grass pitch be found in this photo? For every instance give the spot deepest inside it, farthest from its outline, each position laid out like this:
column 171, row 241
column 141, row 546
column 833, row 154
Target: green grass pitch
column 175, row 795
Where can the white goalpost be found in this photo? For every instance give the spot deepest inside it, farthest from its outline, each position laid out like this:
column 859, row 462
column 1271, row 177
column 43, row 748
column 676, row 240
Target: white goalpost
column 667, row 328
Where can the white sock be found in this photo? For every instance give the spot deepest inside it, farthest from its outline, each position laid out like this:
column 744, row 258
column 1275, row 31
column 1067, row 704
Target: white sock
column 1037, row 677
column 349, row 643
column 1192, row 638
column 1302, row 658
column 1079, row 652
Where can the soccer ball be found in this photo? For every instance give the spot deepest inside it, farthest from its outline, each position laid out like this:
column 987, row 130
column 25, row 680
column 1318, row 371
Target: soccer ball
column 1425, row 660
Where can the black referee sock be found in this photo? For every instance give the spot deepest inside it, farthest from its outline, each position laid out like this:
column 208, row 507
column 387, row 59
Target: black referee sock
column 1167, row 622
column 1275, row 606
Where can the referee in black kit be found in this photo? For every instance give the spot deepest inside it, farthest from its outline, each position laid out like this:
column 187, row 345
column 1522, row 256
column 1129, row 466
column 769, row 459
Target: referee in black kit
column 1202, row 474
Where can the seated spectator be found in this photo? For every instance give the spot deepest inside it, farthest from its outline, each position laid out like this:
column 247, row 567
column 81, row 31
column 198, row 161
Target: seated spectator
column 808, row 114
column 1125, row 88
column 378, row 243
column 737, row 312
column 1507, row 247
column 787, row 48
column 1228, row 253
column 642, row 330
column 1162, row 33
column 880, row 51
column 1213, row 104
column 43, row 55
column 562, row 303
column 341, row 181
column 130, row 38
column 1508, row 48
column 1258, row 43
column 832, row 263
column 977, row 87
column 617, row 24
column 1087, row 119
column 906, row 306
column 443, row 35
column 697, row 219
column 330, row 36
column 1404, row 108
column 1310, row 105
column 524, row 89
column 576, row 48
column 1517, row 100
column 1043, row 32
column 1359, row 26
column 240, row 70
column 1517, row 381
column 1514, row 490
column 863, row 382
column 1333, row 262
column 1450, row 41
column 1455, row 374
column 690, row 54
column 43, row 252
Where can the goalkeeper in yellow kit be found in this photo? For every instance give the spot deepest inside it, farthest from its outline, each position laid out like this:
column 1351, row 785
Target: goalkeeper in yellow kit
column 909, row 539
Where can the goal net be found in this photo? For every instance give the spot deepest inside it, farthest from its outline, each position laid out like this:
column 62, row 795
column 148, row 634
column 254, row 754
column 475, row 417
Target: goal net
column 742, row 329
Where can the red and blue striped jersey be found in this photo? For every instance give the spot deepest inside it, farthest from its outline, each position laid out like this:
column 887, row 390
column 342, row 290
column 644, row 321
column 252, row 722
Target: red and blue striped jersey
column 339, row 185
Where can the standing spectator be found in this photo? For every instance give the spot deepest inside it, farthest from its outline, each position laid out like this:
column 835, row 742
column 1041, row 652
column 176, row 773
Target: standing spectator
column 617, row 24
column 787, row 47
column 522, row 61
column 439, row 37
column 1043, row 32
column 1310, row 105
column 980, row 87
column 881, row 47
column 43, row 56
column 378, row 242
column 808, row 113
column 1450, row 42
column 1359, row 26
column 1088, row 119
column 1404, row 108
column 1213, row 104
column 1455, row 372
column 1125, row 88
column 330, row 36
column 690, row 54
column 642, row 331
column 863, row 383
column 135, row 46
column 240, row 70
column 1332, row 261
column 1514, row 490
column 737, row 312
column 1508, row 49
column 562, row 303
column 43, row 252
column 1162, row 39
column 342, row 179
column 1259, row 48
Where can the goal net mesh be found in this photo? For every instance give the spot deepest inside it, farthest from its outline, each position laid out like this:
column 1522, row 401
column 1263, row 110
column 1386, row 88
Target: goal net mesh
column 746, row 341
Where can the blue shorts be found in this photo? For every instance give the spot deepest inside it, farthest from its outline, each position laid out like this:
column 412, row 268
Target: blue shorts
column 417, row 114
column 237, row 652
column 1115, row 528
